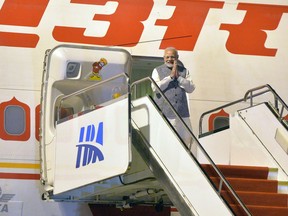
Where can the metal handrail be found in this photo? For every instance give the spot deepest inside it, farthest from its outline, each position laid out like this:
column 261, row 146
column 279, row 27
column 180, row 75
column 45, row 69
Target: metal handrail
column 91, row 87
column 216, row 169
column 96, row 84
column 276, row 98
column 248, row 95
column 165, row 99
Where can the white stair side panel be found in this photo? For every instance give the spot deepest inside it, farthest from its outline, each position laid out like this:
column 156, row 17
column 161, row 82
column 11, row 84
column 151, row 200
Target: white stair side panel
column 266, row 126
column 218, row 147
column 115, row 148
column 246, row 149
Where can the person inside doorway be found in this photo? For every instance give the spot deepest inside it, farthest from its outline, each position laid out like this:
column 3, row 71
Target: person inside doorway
column 175, row 82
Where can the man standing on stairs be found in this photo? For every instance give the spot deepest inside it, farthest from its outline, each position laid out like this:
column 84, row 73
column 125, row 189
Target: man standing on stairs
column 175, row 82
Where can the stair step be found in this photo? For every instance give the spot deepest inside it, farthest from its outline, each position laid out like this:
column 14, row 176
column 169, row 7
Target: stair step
column 234, row 171
column 283, row 187
column 257, row 198
column 261, row 210
column 252, row 185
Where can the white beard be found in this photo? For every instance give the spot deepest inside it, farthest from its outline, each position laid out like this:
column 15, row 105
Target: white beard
column 169, row 65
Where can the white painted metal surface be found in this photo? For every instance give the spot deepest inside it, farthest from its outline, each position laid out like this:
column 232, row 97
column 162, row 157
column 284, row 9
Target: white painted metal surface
column 97, row 155
column 265, row 126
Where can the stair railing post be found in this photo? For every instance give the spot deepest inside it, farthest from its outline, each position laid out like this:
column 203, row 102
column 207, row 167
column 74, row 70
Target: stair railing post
column 276, row 103
column 251, row 98
column 220, row 186
column 281, row 113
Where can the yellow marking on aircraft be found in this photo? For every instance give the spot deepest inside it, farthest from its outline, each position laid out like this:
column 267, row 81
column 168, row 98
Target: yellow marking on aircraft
column 20, row 165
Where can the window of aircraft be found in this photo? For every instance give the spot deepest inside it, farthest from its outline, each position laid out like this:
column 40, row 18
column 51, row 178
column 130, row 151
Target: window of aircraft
column 14, row 120
column 218, row 120
column 73, row 70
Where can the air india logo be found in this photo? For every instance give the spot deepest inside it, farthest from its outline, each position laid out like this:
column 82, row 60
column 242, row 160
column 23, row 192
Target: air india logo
column 4, row 199
column 89, row 139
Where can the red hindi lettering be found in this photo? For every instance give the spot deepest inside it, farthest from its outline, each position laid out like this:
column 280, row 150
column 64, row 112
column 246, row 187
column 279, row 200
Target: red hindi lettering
column 125, row 24
column 249, row 37
column 186, row 23
column 21, row 13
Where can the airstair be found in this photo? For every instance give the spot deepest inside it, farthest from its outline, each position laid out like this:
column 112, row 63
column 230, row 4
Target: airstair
column 253, row 155
column 104, row 144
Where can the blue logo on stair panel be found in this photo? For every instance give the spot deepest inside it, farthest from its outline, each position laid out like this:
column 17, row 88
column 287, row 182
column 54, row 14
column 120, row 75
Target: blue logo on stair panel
column 87, row 151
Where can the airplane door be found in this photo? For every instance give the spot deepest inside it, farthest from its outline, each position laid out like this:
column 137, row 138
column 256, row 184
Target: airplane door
column 85, row 116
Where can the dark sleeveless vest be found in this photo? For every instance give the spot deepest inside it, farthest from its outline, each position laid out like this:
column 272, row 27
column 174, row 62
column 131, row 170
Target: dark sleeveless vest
column 174, row 93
